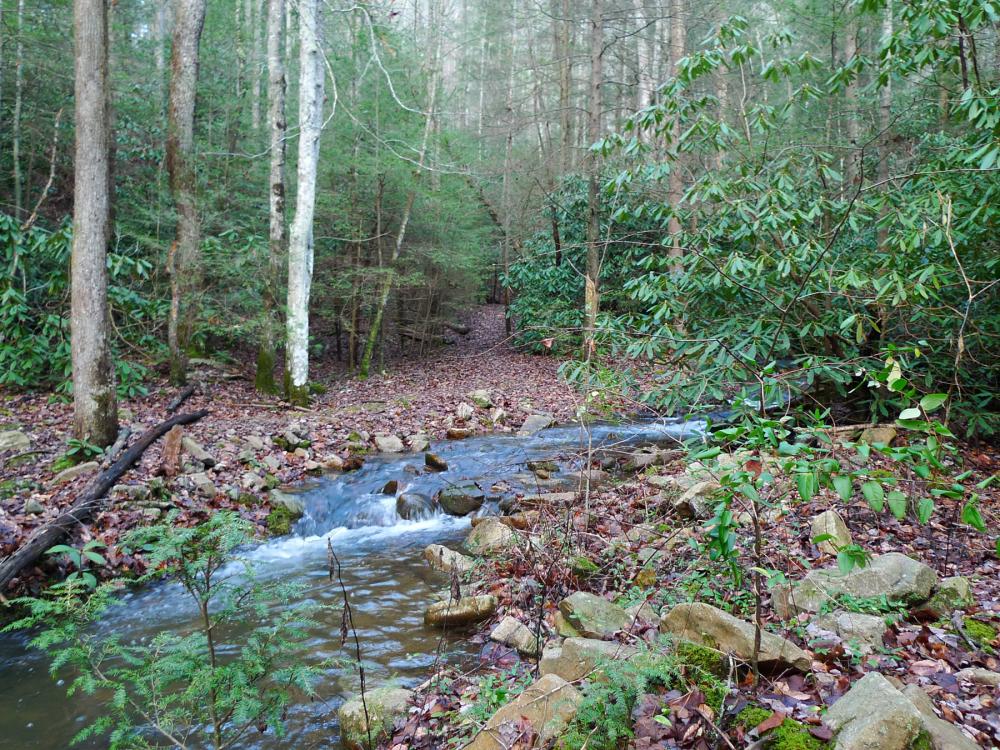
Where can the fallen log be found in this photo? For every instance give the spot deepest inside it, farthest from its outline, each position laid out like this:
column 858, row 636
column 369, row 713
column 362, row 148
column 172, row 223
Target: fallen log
column 89, row 502
column 183, row 396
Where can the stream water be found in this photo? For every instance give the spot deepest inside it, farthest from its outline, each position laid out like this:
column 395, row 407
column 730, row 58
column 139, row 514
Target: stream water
column 387, row 581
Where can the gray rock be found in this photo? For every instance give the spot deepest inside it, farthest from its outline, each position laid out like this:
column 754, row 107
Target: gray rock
column 548, row 706
column 412, row 506
column 950, row 594
column 331, row 462
column 135, row 493
column 829, row 522
column 460, row 500
column 464, row 412
column 709, row 626
column 489, row 537
column 14, row 440
column 465, row 611
column 535, row 423
column 498, row 416
column 418, row 442
column 878, row 434
column 292, row 503
column 251, row 480
column 481, row 397
column 272, row 462
column 979, row 676
column 203, row 485
column 943, row 735
column 74, row 472
column 391, row 487
column 643, row 615
column 389, row 444
column 874, row 715
column 864, row 632
column 255, row 442
column 434, row 462
column 512, row 632
column 194, row 449
column 445, row 560
column 383, row 706
column 899, row 578
column 32, row 507
column 697, row 500
column 593, row 616
column 578, row 657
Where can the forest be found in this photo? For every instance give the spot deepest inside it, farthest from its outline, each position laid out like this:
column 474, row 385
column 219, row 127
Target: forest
column 503, row 375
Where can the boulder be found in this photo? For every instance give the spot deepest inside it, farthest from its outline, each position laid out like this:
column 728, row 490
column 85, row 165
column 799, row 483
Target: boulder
column 412, row 506
column 332, row 462
column 194, row 449
column 289, row 502
column 943, row 734
column 697, row 500
column 74, row 472
column 32, row 507
column 389, row 444
column 593, row 616
column 251, row 480
column 203, row 485
column 464, row 412
column 874, row 715
column 254, row 442
column 418, row 442
column 497, row 416
column 709, row 626
column 829, row 523
column 542, row 466
column 862, row 631
column 577, row 657
column 361, row 731
column 14, row 440
column 434, row 462
column 445, row 560
column 979, row 676
column 548, row 705
column 458, row 433
column 465, row 611
column 460, row 500
column 512, row 632
column 535, row 423
column 950, row 594
column 899, row 578
column 562, row 626
column 878, row 434
column 490, row 536
column 643, row 616
column 481, row 398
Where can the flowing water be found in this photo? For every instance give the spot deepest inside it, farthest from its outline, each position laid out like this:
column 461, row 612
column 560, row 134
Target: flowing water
column 384, row 573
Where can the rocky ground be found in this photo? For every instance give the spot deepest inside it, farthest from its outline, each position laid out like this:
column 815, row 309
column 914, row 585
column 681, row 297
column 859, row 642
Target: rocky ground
column 249, row 444
column 600, row 611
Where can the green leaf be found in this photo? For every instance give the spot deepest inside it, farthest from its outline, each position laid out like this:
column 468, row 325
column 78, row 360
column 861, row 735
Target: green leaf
column 932, row 401
column 972, row 516
column 925, row 509
column 897, row 504
column 705, row 454
column 874, row 494
column 911, row 413
column 922, row 470
column 844, row 487
column 96, row 557
column 807, row 485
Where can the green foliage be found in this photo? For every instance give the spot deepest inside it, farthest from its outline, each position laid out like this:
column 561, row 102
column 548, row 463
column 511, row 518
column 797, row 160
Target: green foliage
column 234, row 669
column 279, row 521
column 980, row 632
column 88, row 553
column 496, row 691
column 789, row 735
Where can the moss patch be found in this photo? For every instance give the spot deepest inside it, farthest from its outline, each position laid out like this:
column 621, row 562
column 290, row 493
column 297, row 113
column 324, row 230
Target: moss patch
column 791, row 735
column 706, row 659
column 279, row 521
column 583, row 566
column 980, row 632
column 922, row 742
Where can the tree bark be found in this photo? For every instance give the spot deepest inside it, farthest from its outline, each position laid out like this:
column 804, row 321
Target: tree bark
column 675, row 181
column 183, row 260
column 851, row 104
column 885, row 125
column 95, row 408
column 271, row 325
column 18, row 102
column 300, row 248
column 508, row 205
column 591, row 301
column 565, row 91
column 256, row 65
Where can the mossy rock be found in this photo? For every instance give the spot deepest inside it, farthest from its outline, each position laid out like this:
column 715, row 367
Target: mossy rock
column 247, row 499
column 981, row 633
column 706, row 659
column 791, row 735
column 279, row 521
column 922, row 741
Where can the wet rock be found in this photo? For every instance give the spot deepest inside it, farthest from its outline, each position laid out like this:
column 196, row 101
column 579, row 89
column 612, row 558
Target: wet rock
column 548, row 466
column 383, row 706
column 518, row 521
column 460, row 500
column 434, row 462
column 950, row 594
column 512, row 632
column 203, row 485
column 458, row 433
column 446, row 560
column 464, row 412
column 14, row 441
column 548, row 706
column 194, row 449
column 75, row 472
column 535, row 423
column 465, row 611
column 593, row 616
column 874, row 715
column 481, row 398
column 391, row 487
column 943, row 735
column 389, row 444
column 32, row 507
column 412, row 506
column 829, row 523
column 697, row 501
column 332, row 462
column 490, row 536
column 863, row 633
column 498, row 416
column 709, row 626
column 576, row 657
column 418, row 442
column 899, row 578
column 291, row 503
column 979, row 676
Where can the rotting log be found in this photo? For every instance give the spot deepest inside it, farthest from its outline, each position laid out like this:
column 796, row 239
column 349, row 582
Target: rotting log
column 89, row 502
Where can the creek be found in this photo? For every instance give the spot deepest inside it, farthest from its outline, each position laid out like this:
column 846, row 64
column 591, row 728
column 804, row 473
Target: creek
column 387, row 581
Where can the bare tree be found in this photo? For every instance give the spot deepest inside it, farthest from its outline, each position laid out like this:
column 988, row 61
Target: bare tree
column 591, row 301
column 851, row 102
column 95, row 407
column 300, row 247
column 675, row 181
column 276, row 195
column 18, row 103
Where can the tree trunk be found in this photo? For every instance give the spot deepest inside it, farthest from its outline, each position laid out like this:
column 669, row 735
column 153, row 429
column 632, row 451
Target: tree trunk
column 300, row 248
column 18, row 101
column 271, row 327
column 851, row 103
column 256, row 65
column 675, row 181
column 565, row 92
column 95, row 409
column 885, row 125
column 183, row 261
column 591, row 301
column 508, row 206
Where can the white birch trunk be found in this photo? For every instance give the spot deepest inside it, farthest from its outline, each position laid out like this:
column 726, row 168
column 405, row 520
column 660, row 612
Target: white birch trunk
column 300, row 246
column 94, row 399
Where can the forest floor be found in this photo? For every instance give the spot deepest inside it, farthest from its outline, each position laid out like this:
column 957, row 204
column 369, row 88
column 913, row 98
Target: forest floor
column 416, row 395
